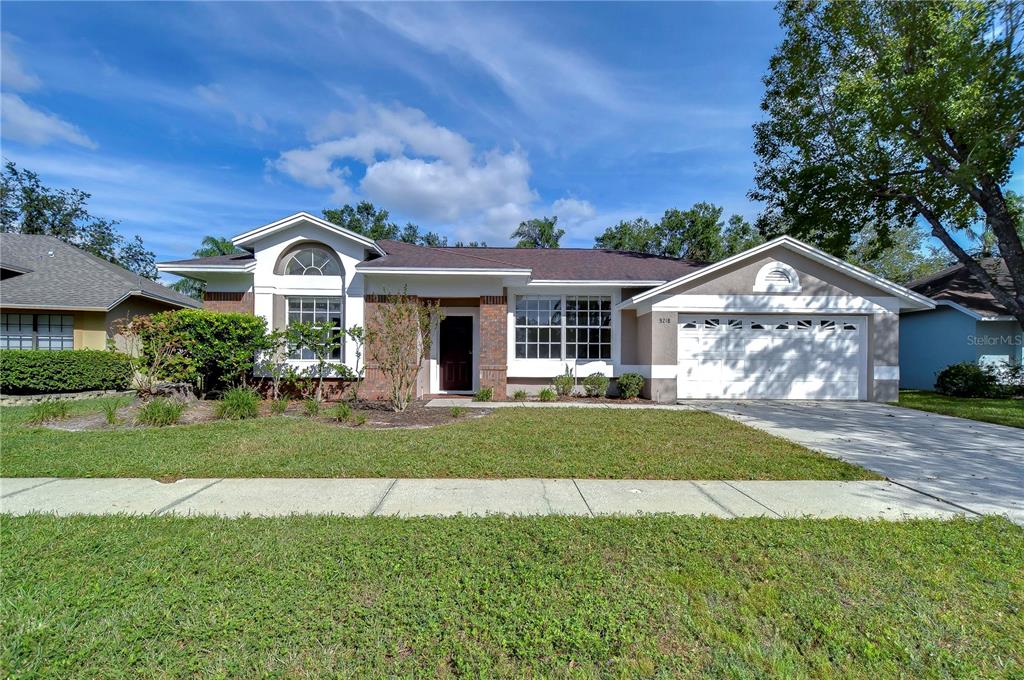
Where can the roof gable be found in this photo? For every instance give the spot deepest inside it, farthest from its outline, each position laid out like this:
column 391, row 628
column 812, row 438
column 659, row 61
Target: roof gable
column 249, row 238
column 958, row 287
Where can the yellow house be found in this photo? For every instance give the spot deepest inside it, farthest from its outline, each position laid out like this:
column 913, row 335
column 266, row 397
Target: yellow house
column 55, row 296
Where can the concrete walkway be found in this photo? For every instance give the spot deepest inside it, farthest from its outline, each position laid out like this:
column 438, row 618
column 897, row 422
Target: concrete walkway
column 445, row 497
column 978, row 466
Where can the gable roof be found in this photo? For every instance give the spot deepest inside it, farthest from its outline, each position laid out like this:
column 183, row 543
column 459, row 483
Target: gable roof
column 542, row 264
column 913, row 300
column 60, row 276
column 957, row 286
column 248, row 238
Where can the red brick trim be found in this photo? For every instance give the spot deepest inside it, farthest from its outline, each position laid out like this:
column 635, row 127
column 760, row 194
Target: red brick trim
column 221, row 301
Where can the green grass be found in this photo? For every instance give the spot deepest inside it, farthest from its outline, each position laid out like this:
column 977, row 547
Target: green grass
column 120, row 597
column 508, row 443
column 1000, row 411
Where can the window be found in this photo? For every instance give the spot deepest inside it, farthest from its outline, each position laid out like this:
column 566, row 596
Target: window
column 312, row 261
column 37, row 331
column 588, row 327
column 538, row 327
column 315, row 310
column 583, row 322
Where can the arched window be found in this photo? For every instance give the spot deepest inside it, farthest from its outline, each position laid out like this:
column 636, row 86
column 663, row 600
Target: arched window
column 777, row 277
column 312, row 261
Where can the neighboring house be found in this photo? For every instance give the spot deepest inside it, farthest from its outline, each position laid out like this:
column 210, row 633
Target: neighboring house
column 782, row 320
column 56, row 296
column 967, row 324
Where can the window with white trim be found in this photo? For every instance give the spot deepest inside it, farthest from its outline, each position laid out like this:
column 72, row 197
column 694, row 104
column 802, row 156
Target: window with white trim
column 312, row 261
column 310, row 309
column 37, row 331
column 568, row 326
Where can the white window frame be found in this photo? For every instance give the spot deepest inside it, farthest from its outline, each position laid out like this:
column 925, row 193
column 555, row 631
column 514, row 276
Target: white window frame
column 564, row 327
column 66, row 340
column 340, row 328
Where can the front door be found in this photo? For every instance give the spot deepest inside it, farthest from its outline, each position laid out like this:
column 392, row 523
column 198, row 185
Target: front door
column 456, row 353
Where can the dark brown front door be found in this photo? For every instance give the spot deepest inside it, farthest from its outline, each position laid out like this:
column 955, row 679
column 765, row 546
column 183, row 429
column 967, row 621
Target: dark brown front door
column 456, row 353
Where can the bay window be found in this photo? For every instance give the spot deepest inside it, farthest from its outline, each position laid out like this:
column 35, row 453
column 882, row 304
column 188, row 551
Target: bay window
column 563, row 327
column 310, row 309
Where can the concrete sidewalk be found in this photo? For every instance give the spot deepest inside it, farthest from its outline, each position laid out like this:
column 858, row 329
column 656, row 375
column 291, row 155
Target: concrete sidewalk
column 446, row 497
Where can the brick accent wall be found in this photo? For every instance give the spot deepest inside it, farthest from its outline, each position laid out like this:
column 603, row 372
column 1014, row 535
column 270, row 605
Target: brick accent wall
column 374, row 386
column 229, row 302
column 494, row 344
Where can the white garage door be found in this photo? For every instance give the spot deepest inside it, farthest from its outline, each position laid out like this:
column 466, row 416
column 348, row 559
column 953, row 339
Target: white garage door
column 771, row 357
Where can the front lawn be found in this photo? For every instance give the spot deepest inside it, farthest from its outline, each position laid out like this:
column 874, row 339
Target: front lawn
column 662, row 596
column 1000, row 411
column 508, row 443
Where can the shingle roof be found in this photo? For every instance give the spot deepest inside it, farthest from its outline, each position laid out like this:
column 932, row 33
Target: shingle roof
column 956, row 284
column 61, row 276
column 240, row 260
column 562, row 264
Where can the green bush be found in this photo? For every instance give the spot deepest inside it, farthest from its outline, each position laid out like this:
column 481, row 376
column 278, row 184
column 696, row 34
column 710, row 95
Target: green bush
column 45, row 411
column 564, row 383
column 278, row 406
column 630, row 385
column 210, row 350
column 484, row 394
column 238, row 403
column 548, row 394
column 160, row 412
column 110, row 408
column 457, row 411
column 341, row 412
column 40, row 371
column 967, row 379
column 359, row 420
column 520, row 395
column 596, row 384
column 311, row 407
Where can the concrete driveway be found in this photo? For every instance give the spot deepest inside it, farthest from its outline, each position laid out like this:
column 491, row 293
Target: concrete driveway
column 978, row 466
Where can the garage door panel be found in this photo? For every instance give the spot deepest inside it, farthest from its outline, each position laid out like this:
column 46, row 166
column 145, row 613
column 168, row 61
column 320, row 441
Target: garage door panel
column 749, row 357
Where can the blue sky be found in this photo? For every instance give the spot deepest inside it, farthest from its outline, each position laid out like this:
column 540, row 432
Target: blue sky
column 187, row 120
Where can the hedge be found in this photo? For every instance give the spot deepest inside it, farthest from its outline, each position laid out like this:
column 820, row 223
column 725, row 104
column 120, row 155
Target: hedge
column 39, row 371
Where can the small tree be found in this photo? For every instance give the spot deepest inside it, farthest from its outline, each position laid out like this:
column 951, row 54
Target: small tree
column 399, row 341
column 273, row 362
column 357, row 336
column 151, row 346
column 322, row 342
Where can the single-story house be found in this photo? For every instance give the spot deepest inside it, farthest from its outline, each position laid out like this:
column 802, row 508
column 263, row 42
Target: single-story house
column 55, row 296
column 967, row 324
column 779, row 321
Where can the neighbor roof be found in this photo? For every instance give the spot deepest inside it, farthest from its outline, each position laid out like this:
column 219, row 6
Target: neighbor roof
column 957, row 285
column 235, row 260
column 555, row 264
column 61, row 276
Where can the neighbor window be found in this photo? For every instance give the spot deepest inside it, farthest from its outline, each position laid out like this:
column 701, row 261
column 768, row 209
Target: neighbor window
column 37, row 331
column 563, row 327
column 308, row 309
column 312, row 261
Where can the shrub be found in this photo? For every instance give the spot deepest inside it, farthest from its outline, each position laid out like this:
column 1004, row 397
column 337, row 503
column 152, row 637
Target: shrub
column 520, row 395
column 596, row 385
column 278, row 406
column 311, row 407
column 239, row 403
column 1011, row 379
column 160, row 412
column 630, row 385
column 341, row 412
column 966, row 379
column 110, row 408
column 209, row 350
column 360, row 419
column 564, row 383
column 45, row 411
column 40, row 371
column 548, row 394
column 484, row 394
column 457, row 411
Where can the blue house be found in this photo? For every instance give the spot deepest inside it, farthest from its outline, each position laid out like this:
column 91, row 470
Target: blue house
column 967, row 324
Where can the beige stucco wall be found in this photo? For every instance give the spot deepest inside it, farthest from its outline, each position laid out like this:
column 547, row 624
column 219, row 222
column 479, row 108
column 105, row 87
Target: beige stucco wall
column 90, row 330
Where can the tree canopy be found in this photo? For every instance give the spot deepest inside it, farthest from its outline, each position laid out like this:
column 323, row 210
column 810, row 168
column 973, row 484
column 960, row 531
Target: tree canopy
column 884, row 116
column 29, row 207
column 366, row 219
column 697, row 234
column 540, row 232
column 210, row 246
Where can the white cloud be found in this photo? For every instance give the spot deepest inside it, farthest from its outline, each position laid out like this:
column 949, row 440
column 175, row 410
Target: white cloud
column 216, row 96
column 415, row 167
column 23, row 123
column 12, row 75
column 573, row 210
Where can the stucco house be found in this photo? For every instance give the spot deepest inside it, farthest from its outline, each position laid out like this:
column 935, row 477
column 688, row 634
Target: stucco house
column 780, row 321
column 55, row 296
column 967, row 324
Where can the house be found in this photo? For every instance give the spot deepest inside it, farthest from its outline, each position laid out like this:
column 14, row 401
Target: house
column 967, row 324
column 56, row 296
column 780, row 321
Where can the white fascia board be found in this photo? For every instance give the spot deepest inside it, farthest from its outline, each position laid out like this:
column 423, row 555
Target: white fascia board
column 973, row 314
column 767, row 304
column 70, row 308
column 462, row 271
column 603, row 283
column 916, row 300
column 152, row 296
column 249, row 237
column 205, row 269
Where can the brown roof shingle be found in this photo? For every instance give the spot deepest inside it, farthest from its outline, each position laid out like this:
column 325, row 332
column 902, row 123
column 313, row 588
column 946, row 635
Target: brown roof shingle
column 956, row 284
